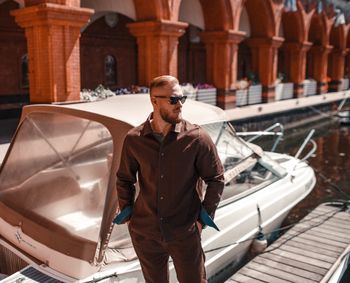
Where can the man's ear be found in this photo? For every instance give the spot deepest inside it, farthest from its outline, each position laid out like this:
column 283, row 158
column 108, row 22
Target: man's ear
column 153, row 100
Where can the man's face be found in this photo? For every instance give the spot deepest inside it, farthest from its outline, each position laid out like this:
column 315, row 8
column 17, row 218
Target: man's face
column 170, row 113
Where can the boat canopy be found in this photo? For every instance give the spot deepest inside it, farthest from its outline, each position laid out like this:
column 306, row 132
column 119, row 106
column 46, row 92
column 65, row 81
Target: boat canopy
column 57, row 181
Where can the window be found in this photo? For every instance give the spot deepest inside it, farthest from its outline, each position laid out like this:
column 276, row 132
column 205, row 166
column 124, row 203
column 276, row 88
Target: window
column 110, row 70
column 24, row 71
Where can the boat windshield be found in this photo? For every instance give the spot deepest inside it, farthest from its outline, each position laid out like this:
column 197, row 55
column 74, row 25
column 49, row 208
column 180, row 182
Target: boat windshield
column 57, row 171
column 247, row 168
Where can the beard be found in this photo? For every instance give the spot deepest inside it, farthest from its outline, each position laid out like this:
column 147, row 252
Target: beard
column 171, row 117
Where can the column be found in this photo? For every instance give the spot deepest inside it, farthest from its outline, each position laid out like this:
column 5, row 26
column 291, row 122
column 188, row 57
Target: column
column 264, row 63
column 157, row 48
column 318, row 62
column 295, row 61
column 53, row 33
column 336, row 69
column 222, row 48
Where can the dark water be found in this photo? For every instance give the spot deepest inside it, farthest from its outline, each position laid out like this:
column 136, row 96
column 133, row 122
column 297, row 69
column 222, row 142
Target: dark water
column 331, row 163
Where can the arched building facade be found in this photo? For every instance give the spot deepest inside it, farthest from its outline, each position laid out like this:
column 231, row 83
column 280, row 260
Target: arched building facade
column 52, row 49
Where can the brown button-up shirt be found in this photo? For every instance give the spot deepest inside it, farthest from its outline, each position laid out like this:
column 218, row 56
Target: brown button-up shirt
column 169, row 174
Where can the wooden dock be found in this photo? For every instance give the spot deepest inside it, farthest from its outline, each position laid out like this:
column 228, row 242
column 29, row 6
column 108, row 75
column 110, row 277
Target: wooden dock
column 308, row 252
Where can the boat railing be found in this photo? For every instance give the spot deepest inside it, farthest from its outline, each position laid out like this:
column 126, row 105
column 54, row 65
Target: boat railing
column 267, row 132
column 342, row 103
column 304, row 144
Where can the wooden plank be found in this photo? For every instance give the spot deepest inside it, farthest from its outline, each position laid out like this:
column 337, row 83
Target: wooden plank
column 320, row 215
column 261, row 276
column 294, row 263
column 343, row 215
column 315, row 244
column 333, row 226
column 304, row 259
column 322, row 219
column 340, row 216
column 315, row 239
column 244, row 279
column 308, row 254
column 281, row 274
column 316, row 233
column 314, row 224
column 327, row 215
column 340, row 222
column 327, row 232
column 326, row 207
column 291, row 269
column 320, row 240
column 320, row 233
column 317, row 249
column 335, row 234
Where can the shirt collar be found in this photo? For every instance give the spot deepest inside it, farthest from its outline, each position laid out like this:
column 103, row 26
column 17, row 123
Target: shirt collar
column 147, row 129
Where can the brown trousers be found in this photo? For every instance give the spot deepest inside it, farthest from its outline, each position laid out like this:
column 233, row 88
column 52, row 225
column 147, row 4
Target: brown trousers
column 187, row 255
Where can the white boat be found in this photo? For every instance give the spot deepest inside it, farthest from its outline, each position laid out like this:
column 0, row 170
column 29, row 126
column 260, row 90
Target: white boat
column 58, row 197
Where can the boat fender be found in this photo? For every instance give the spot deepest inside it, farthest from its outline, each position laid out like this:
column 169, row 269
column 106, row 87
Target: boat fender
column 259, row 243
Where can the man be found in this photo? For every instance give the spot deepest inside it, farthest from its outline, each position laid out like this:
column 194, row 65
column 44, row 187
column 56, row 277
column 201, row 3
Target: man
column 170, row 157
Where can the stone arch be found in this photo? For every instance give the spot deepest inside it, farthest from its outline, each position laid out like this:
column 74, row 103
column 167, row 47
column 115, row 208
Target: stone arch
column 19, row 2
column 218, row 15
column 296, row 25
column 261, row 17
column 108, row 35
column 338, row 37
column 137, row 9
column 191, row 49
column 191, row 12
column 101, row 7
column 153, row 9
column 319, row 29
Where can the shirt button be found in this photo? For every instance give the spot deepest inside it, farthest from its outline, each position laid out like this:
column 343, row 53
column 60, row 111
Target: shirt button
column 161, row 198
column 161, row 219
column 162, row 154
column 161, row 176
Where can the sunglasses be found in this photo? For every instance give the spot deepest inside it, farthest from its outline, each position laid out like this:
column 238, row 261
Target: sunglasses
column 173, row 99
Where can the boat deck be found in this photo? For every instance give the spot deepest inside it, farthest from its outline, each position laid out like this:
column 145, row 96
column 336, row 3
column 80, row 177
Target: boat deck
column 308, row 252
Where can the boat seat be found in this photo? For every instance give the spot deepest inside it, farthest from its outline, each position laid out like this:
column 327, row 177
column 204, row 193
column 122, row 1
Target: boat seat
column 32, row 195
column 119, row 251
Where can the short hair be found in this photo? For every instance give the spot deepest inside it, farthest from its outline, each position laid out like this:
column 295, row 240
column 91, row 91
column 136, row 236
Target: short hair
column 162, row 81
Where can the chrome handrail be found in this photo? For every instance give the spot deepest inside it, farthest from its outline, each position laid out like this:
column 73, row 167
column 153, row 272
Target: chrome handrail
column 267, row 132
column 341, row 104
column 305, row 142
column 302, row 147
